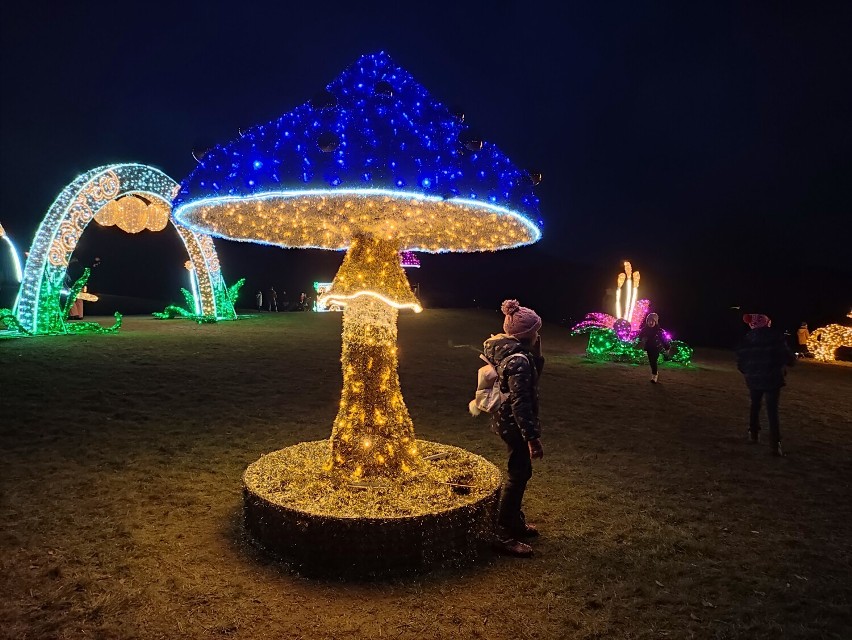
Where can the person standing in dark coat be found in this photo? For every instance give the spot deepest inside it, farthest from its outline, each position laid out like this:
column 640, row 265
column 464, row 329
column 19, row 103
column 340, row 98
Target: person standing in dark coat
column 802, row 337
column 763, row 357
column 653, row 340
column 516, row 354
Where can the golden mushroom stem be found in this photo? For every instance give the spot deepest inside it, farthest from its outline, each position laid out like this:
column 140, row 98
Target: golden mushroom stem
column 373, row 434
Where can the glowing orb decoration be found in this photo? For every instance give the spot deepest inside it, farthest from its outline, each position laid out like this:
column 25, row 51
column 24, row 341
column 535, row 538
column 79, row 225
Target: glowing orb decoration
column 134, row 213
column 615, row 337
column 131, row 196
column 824, row 342
column 374, row 166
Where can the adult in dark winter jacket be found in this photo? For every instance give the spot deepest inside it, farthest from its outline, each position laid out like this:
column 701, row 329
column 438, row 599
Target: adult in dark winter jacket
column 516, row 354
column 653, row 340
column 762, row 358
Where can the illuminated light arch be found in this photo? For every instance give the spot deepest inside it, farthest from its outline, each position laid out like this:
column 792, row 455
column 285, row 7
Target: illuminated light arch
column 13, row 252
column 38, row 308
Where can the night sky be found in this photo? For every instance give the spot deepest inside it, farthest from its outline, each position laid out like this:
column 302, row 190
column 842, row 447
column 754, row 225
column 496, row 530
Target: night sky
column 709, row 143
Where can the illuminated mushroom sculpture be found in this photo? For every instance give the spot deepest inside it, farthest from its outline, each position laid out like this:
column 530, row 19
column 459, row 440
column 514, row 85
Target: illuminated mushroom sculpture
column 372, row 165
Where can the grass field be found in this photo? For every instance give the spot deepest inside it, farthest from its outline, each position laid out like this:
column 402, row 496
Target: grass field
column 122, row 457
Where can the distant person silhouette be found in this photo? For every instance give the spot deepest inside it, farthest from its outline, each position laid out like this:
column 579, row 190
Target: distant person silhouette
column 653, row 340
column 802, row 336
column 763, row 357
column 273, row 299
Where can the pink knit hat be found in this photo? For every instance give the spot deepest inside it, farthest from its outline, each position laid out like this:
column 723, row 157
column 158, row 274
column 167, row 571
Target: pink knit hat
column 757, row 320
column 520, row 322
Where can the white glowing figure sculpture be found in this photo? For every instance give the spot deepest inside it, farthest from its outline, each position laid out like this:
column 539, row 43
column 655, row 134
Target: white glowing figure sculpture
column 632, row 279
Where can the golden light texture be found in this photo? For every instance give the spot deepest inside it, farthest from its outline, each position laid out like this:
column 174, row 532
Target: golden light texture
column 132, row 214
column 372, row 264
column 2, row 231
column 294, row 478
column 825, row 341
column 158, row 215
column 373, row 435
column 198, row 249
column 330, row 222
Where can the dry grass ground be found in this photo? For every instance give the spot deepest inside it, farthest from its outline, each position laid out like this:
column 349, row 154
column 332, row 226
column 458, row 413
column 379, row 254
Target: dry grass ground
column 122, row 457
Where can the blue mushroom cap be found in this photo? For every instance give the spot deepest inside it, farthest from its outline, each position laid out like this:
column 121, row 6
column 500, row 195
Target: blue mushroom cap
column 373, row 152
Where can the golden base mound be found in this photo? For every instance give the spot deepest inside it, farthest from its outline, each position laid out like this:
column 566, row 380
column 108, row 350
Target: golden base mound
column 444, row 516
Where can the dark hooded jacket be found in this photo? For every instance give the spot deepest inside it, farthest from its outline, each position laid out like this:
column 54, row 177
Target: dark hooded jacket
column 763, row 357
column 518, row 378
column 652, row 338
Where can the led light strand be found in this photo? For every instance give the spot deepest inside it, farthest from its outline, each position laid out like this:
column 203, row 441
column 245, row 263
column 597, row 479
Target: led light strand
column 344, row 300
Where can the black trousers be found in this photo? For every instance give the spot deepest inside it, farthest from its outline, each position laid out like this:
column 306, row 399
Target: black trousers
column 509, row 516
column 772, row 398
column 653, row 357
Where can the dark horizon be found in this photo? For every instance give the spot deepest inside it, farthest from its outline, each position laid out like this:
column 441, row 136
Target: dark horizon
column 709, row 144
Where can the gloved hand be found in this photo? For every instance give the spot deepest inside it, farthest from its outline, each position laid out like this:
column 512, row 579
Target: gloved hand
column 536, row 450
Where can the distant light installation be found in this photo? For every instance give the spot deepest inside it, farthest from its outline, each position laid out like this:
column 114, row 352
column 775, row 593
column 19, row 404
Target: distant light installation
column 320, row 288
column 132, row 196
column 824, row 342
column 614, row 337
column 625, row 312
column 375, row 166
column 409, row 260
column 13, row 253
